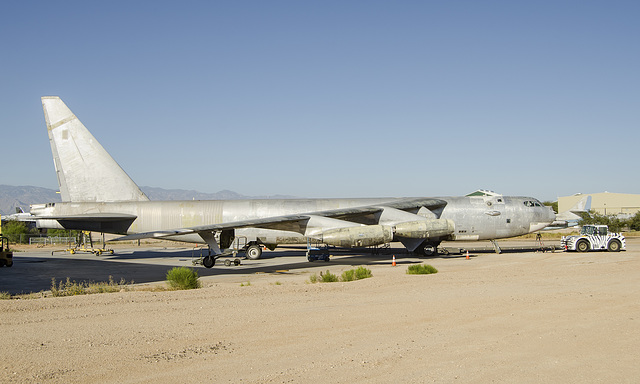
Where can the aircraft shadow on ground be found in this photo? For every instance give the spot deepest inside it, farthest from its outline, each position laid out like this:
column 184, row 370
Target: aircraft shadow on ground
column 35, row 274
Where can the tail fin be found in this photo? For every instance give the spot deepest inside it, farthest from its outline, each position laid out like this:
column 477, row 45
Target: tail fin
column 583, row 205
column 86, row 172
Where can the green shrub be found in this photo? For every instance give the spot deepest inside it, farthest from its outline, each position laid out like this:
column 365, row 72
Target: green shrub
column 183, row 278
column 349, row 275
column 363, row 273
column 5, row 295
column 328, row 277
column 17, row 231
column 421, row 269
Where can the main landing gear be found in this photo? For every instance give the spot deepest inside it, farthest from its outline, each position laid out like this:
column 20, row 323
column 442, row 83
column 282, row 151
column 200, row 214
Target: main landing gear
column 428, row 249
column 252, row 252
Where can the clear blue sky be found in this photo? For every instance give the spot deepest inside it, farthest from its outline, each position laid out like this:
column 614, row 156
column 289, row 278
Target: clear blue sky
column 332, row 98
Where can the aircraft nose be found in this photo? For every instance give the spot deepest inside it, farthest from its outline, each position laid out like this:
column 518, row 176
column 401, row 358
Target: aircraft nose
column 543, row 220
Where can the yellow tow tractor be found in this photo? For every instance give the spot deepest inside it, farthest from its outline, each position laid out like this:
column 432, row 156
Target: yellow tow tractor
column 6, row 255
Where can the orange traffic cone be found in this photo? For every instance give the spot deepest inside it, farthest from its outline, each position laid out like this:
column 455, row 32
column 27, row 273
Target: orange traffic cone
column 393, row 263
column 467, row 254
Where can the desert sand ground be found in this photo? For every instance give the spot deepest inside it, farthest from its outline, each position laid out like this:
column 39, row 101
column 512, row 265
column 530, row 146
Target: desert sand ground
column 524, row 317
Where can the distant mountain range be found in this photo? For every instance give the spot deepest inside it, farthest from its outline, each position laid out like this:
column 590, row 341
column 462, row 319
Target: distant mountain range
column 22, row 196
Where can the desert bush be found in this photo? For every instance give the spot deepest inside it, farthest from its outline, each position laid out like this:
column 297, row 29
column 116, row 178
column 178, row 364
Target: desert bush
column 363, row 273
column 421, row 269
column 349, row 275
column 72, row 288
column 183, row 278
column 328, row 277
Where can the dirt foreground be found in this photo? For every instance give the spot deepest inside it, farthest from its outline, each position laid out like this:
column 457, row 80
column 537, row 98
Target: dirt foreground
column 528, row 317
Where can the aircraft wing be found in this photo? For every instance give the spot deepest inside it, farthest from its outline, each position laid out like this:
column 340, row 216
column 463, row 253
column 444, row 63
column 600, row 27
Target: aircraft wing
column 296, row 223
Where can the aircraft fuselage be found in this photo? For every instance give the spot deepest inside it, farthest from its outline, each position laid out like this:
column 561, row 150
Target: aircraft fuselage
column 475, row 218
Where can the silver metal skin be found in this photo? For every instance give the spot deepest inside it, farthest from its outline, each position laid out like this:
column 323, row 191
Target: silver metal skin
column 99, row 196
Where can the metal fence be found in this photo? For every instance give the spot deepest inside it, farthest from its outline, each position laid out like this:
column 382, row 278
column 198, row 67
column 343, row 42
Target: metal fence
column 49, row 240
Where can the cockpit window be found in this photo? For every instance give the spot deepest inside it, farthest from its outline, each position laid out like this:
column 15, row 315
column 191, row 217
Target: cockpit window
column 530, row 203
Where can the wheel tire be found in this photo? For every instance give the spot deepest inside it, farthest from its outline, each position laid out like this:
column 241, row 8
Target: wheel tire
column 208, row 262
column 253, row 252
column 614, row 246
column 2, row 263
column 582, row 246
column 236, row 262
column 227, row 263
column 429, row 250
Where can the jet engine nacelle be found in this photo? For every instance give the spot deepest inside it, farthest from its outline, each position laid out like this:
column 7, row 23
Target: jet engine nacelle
column 425, row 229
column 362, row 236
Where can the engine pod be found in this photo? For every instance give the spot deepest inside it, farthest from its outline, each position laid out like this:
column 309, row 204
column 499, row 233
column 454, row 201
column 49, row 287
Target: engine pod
column 361, row 236
column 424, row 229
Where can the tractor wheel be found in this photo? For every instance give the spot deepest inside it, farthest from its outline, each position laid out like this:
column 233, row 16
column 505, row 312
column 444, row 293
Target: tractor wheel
column 614, row 246
column 582, row 246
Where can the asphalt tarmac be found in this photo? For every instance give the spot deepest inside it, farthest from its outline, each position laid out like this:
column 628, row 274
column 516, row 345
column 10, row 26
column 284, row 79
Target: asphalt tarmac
column 34, row 269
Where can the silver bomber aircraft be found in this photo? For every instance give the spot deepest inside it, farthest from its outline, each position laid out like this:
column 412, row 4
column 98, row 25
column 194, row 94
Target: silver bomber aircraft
column 97, row 195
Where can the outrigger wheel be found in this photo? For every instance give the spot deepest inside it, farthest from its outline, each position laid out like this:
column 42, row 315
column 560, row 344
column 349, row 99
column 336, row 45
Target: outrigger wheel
column 208, row 261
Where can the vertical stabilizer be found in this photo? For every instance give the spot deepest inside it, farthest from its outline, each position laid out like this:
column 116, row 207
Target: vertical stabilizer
column 86, row 172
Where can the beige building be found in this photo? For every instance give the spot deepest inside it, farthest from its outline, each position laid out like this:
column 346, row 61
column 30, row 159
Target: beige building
column 604, row 203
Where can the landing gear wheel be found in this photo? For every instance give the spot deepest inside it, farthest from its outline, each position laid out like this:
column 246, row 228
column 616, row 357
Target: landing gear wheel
column 253, row 252
column 582, row 246
column 227, row 263
column 614, row 246
column 429, row 250
column 236, row 262
column 208, row 261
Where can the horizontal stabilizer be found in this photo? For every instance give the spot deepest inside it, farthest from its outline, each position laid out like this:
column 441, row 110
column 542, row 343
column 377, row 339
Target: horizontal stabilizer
column 103, row 222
